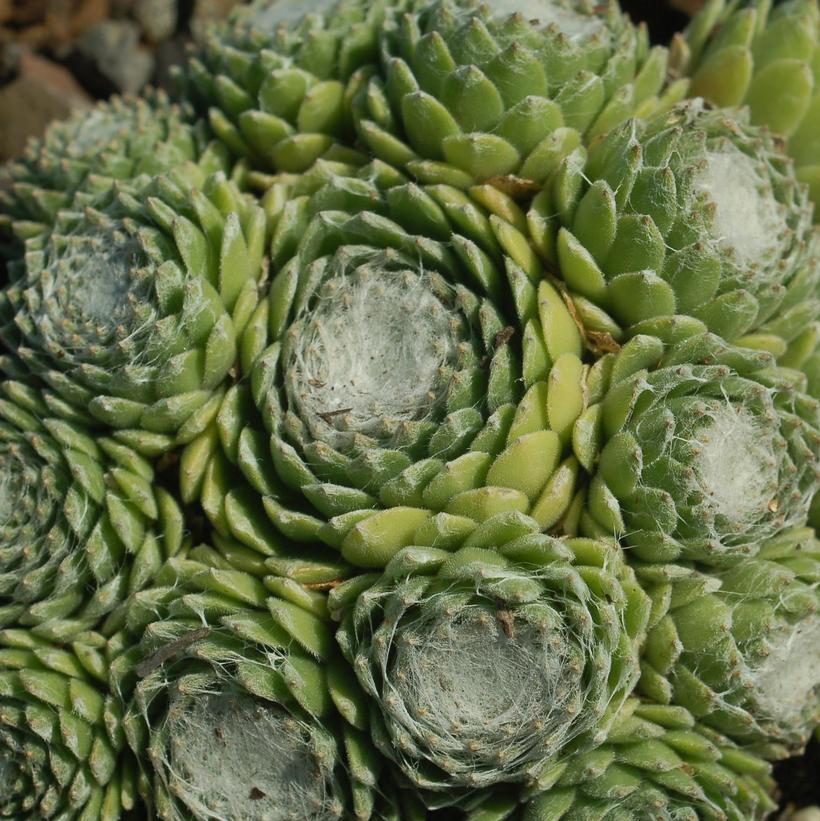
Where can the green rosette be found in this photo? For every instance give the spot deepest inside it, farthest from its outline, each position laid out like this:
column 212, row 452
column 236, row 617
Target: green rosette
column 83, row 525
column 276, row 83
column 694, row 212
column 131, row 307
column 700, row 450
column 240, row 704
column 412, row 358
column 62, row 746
column 467, row 92
column 492, row 652
column 121, row 140
column 764, row 55
column 657, row 763
column 739, row 647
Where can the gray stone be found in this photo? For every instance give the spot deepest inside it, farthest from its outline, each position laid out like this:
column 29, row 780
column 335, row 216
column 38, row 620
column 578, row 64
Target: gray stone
column 158, row 18
column 112, row 49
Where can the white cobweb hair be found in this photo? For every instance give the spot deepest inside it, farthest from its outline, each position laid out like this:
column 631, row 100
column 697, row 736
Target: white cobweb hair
column 92, row 275
column 101, row 283
column 750, row 225
column 230, row 756
column 736, row 465
column 489, row 694
column 371, row 353
column 787, row 680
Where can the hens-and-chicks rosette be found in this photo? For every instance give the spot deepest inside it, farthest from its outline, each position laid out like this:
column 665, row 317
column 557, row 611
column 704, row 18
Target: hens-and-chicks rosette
column 421, row 412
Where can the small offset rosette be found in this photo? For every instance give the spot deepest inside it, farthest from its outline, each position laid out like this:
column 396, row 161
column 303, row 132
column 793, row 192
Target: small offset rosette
column 62, row 747
column 693, row 212
column 82, row 522
column 740, row 648
column 412, row 358
column 749, row 54
column 466, row 91
column 121, row 140
column 700, row 451
column 131, row 307
column 492, row 658
column 276, row 81
column 240, row 704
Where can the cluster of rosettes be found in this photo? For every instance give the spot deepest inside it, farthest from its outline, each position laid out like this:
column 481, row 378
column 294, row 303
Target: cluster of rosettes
column 421, row 412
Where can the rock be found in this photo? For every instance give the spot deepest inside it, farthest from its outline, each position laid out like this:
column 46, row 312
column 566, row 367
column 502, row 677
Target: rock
column 87, row 14
column 108, row 58
column 51, row 74
column 208, row 12
column 808, row 814
column 158, row 18
column 51, row 25
column 42, row 92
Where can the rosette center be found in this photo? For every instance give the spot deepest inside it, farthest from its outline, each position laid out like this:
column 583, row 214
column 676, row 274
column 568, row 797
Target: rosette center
column 373, row 351
column 490, row 685
column 749, row 223
column 735, row 463
column 93, row 293
column 789, row 678
column 232, row 756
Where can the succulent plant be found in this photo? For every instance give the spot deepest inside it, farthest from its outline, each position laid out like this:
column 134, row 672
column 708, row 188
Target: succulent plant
column 471, row 92
column 657, row 763
column 83, row 525
column 131, row 306
column 410, row 353
column 693, row 212
column 766, row 56
column 277, row 95
column 487, row 369
column 704, row 454
column 239, row 703
column 491, row 651
column 740, row 648
column 120, row 140
column 527, row 89
column 62, row 748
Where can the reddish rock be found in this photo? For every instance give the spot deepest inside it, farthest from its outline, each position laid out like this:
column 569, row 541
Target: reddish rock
column 42, row 92
column 49, row 73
